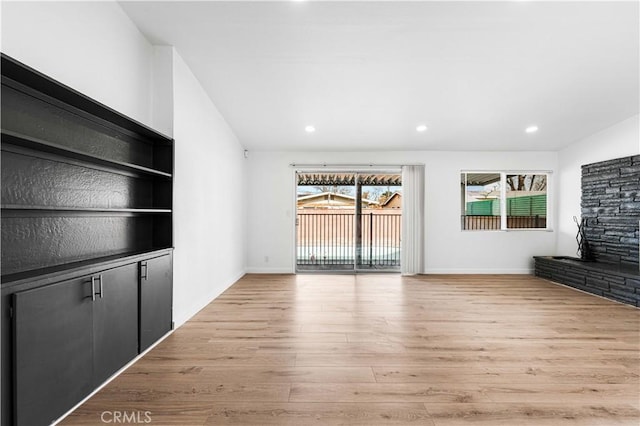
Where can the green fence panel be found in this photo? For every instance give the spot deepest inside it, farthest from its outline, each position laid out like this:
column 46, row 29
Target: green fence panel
column 529, row 205
column 480, row 208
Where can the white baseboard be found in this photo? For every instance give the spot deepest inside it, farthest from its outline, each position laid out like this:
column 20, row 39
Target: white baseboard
column 518, row 271
column 515, row 271
column 252, row 270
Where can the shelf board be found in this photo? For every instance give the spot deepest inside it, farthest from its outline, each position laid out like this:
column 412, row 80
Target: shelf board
column 99, row 262
column 15, row 207
column 54, row 148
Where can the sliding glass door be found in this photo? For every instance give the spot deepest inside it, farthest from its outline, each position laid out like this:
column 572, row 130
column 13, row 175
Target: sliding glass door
column 348, row 221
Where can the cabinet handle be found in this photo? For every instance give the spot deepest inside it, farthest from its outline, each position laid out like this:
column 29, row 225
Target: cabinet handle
column 93, row 291
column 100, row 285
column 143, row 275
column 101, row 291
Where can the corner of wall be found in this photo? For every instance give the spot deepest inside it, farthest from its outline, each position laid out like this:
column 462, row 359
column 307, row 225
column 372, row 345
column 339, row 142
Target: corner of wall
column 184, row 315
column 162, row 90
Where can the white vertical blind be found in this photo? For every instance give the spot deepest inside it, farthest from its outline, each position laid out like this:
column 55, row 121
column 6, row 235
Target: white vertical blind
column 412, row 246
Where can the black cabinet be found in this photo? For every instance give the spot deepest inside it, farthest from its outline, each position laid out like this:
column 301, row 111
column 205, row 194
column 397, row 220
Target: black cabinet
column 155, row 299
column 53, row 342
column 69, row 338
column 115, row 320
column 86, row 201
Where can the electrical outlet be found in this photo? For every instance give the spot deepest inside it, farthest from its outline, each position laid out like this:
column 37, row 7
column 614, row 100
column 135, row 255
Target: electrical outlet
column 266, row 259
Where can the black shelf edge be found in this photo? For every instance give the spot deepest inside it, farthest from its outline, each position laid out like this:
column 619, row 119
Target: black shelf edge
column 14, row 207
column 53, row 274
column 53, row 148
column 17, row 71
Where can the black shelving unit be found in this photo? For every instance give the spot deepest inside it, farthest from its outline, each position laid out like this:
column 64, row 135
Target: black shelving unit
column 79, row 181
column 86, row 208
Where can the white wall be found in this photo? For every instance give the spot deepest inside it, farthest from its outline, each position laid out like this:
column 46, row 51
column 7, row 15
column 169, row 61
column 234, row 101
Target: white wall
column 620, row 140
column 271, row 210
column 162, row 90
column 92, row 47
column 208, row 198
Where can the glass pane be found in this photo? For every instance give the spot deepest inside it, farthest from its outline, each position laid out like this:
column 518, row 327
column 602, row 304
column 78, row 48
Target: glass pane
column 325, row 221
column 526, row 201
column 480, row 200
column 378, row 233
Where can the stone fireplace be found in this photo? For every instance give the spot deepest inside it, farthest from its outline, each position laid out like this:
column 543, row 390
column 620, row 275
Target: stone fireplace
column 611, row 210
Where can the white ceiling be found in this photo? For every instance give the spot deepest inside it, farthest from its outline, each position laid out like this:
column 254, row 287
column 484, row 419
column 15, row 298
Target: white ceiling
column 365, row 74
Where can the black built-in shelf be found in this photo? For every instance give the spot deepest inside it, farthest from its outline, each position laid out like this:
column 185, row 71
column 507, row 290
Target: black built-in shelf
column 86, row 198
column 79, row 180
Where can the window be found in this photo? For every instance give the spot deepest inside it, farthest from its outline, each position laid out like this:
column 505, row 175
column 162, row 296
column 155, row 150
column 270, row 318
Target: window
column 504, row 200
column 481, row 193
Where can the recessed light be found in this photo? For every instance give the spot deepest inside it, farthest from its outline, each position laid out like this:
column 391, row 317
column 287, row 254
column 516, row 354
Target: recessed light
column 531, row 129
column 421, row 128
column 309, row 129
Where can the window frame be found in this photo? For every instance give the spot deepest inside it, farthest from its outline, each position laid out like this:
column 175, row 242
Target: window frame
column 503, row 198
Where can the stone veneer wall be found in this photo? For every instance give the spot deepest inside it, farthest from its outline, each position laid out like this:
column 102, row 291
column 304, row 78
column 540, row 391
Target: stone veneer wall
column 611, row 206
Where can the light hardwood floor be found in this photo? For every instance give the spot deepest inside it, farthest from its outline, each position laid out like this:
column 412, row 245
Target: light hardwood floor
column 383, row 349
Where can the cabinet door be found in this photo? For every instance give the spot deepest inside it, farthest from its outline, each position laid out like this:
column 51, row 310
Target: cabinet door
column 156, row 292
column 52, row 350
column 115, row 320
